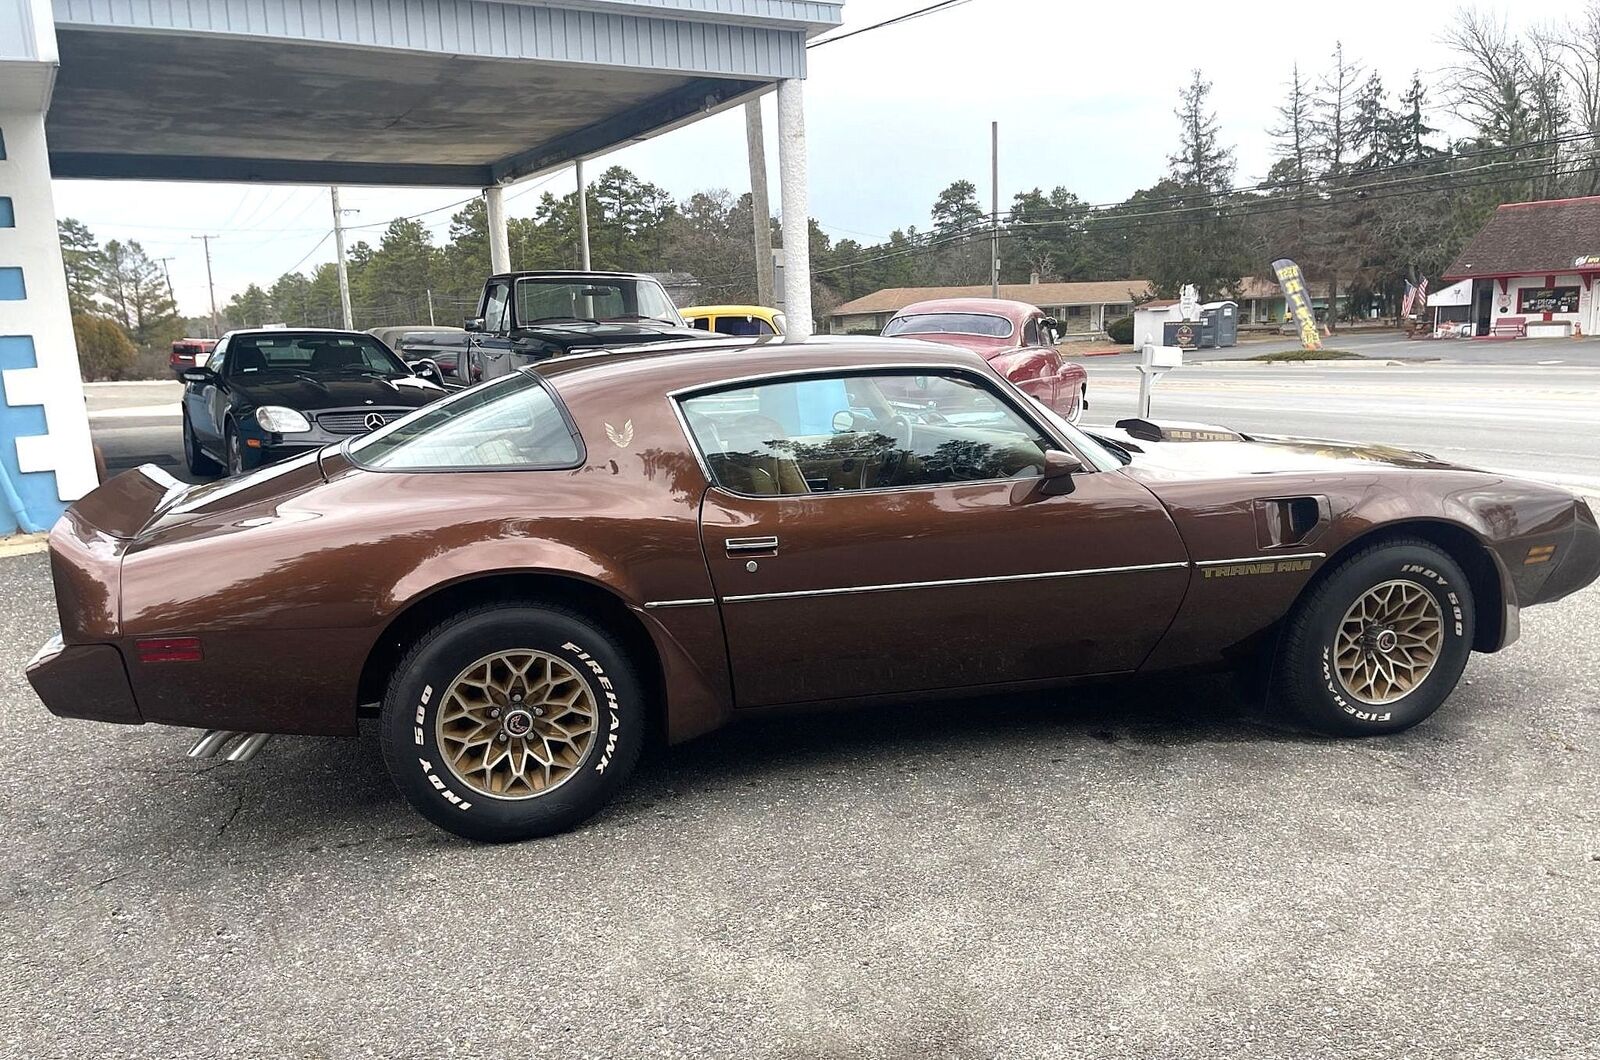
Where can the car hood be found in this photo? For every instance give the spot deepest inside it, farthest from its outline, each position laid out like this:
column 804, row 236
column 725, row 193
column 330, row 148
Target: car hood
column 1262, row 455
column 304, row 392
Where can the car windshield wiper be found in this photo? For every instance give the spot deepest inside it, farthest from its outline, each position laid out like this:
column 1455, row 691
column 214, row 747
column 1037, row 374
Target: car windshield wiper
column 641, row 316
column 563, row 320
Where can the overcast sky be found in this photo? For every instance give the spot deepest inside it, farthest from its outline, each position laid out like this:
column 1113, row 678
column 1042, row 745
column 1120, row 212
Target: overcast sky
column 1084, row 93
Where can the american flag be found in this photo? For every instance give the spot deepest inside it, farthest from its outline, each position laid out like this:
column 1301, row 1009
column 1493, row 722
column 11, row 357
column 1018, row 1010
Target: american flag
column 1422, row 294
column 1409, row 300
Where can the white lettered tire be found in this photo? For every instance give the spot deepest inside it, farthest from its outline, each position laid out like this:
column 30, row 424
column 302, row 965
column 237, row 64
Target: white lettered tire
column 1378, row 644
column 512, row 721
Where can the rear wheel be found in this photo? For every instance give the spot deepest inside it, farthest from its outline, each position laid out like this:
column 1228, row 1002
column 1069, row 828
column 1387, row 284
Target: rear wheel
column 1081, row 404
column 196, row 460
column 1380, row 643
column 512, row 721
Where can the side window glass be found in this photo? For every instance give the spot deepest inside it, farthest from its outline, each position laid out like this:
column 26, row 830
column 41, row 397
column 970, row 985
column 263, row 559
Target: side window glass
column 861, row 432
column 701, row 323
column 1030, row 333
column 494, row 308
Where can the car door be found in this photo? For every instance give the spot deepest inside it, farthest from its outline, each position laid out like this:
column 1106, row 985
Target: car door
column 490, row 348
column 207, row 401
column 858, row 547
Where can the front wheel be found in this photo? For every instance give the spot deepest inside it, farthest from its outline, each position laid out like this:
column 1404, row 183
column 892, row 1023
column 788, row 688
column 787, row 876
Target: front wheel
column 1380, row 643
column 512, row 721
column 193, row 456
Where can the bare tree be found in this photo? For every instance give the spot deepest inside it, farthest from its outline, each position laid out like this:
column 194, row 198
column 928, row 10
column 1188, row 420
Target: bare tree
column 1294, row 135
column 1335, row 105
column 1489, row 82
column 1581, row 53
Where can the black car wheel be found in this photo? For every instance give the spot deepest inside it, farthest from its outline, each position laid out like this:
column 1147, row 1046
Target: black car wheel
column 512, row 721
column 1378, row 644
column 197, row 462
column 236, row 452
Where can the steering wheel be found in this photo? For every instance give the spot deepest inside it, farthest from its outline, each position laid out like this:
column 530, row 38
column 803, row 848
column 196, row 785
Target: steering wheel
column 903, row 431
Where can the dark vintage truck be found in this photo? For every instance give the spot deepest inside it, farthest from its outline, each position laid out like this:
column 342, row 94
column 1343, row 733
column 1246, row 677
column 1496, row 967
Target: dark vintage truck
column 524, row 317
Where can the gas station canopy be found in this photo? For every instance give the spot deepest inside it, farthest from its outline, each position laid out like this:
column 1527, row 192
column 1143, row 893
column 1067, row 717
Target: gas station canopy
column 399, row 92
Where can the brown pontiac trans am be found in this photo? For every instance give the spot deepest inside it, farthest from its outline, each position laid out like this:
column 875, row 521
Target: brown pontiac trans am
column 526, row 578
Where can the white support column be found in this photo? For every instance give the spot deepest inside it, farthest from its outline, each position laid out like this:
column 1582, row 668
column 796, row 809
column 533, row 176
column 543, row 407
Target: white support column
column 494, row 200
column 796, row 210
column 46, row 458
column 583, row 220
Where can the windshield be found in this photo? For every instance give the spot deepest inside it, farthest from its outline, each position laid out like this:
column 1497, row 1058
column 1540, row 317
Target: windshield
column 950, row 324
column 568, row 299
column 318, row 355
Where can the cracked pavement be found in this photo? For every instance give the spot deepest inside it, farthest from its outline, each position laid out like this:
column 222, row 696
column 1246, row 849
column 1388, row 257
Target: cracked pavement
column 1154, row 869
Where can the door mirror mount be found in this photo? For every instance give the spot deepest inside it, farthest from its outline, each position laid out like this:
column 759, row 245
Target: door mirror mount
column 1054, row 479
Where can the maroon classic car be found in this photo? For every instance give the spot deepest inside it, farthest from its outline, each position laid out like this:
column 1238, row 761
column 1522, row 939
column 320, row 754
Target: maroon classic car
column 525, row 578
column 1016, row 338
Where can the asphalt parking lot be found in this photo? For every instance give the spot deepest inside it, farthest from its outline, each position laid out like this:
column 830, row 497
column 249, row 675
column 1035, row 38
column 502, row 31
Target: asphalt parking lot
column 1156, row 870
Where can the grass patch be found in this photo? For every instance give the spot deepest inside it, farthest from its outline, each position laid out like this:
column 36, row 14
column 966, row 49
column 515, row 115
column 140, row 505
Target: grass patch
column 1309, row 355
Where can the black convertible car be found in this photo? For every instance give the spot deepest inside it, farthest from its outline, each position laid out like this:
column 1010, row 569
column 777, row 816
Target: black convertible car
column 264, row 395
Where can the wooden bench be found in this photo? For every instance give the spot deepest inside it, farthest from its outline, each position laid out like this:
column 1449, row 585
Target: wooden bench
column 1510, row 327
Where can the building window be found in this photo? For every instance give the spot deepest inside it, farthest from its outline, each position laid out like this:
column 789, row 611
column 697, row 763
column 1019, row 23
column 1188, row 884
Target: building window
column 1547, row 300
column 1076, row 310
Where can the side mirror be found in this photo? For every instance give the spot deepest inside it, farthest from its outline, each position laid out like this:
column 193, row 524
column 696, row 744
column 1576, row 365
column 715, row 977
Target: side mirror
column 427, row 368
column 1054, row 480
column 198, row 375
column 472, row 324
column 844, row 421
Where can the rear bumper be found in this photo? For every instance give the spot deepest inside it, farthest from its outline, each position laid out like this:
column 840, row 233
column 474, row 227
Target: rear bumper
column 86, row 681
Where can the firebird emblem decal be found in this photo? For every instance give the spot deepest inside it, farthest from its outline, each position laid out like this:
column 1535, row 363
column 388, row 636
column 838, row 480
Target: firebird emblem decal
column 623, row 438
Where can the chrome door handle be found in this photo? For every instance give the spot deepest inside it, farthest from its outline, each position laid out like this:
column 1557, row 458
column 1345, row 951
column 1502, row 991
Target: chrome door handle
column 736, row 545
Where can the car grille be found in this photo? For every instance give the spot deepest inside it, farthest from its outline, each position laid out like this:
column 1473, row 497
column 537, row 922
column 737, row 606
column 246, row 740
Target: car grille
column 354, row 421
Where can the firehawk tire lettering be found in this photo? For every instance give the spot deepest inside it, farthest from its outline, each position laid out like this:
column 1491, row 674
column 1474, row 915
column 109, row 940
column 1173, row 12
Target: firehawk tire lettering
column 1309, row 675
column 496, row 799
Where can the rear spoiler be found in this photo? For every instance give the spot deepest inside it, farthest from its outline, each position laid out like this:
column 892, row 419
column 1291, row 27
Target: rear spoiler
column 126, row 504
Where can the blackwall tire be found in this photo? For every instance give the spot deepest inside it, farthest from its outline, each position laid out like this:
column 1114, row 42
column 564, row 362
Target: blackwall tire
column 1379, row 644
column 197, row 462
column 495, row 757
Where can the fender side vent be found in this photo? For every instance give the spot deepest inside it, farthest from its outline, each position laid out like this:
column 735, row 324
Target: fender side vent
column 1290, row 520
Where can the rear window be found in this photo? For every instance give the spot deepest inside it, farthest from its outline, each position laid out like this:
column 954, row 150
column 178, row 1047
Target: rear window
column 950, row 324
column 513, row 423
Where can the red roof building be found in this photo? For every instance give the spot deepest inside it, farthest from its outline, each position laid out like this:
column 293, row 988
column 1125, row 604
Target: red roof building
column 1535, row 266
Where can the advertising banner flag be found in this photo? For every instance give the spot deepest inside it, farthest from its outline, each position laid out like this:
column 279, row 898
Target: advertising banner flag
column 1299, row 301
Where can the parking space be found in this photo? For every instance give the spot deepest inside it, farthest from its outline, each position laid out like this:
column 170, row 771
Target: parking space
column 1159, row 869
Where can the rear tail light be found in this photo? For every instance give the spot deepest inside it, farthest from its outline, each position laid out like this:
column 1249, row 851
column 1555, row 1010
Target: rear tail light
column 169, row 649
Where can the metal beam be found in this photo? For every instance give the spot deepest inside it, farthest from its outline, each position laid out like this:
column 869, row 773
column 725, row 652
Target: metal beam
column 662, row 114
column 90, row 165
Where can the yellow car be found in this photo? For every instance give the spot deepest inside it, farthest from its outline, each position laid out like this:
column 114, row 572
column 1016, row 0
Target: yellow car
column 735, row 319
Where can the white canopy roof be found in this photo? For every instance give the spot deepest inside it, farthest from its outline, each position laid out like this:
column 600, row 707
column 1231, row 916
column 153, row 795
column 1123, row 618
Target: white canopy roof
column 1455, row 294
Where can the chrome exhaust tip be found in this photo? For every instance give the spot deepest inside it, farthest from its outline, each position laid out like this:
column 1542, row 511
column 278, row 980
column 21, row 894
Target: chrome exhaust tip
column 246, row 748
column 211, row 741
column 245, row 744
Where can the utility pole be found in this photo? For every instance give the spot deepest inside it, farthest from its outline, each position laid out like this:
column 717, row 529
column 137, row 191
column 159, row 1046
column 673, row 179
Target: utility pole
column 167, row 275
column 994, row 245
column 760, row 206
column 583, row 221
column 344, row 272
column 430, row 307
column 216, row 330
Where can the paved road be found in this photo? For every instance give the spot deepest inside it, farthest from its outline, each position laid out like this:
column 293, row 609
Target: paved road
column 1541, row 422
column 1391, row 344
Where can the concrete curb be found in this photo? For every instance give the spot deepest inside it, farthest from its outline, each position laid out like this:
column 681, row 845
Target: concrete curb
column 22, row 545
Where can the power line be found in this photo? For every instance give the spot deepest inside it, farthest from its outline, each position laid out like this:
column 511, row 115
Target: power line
column 931, row 9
